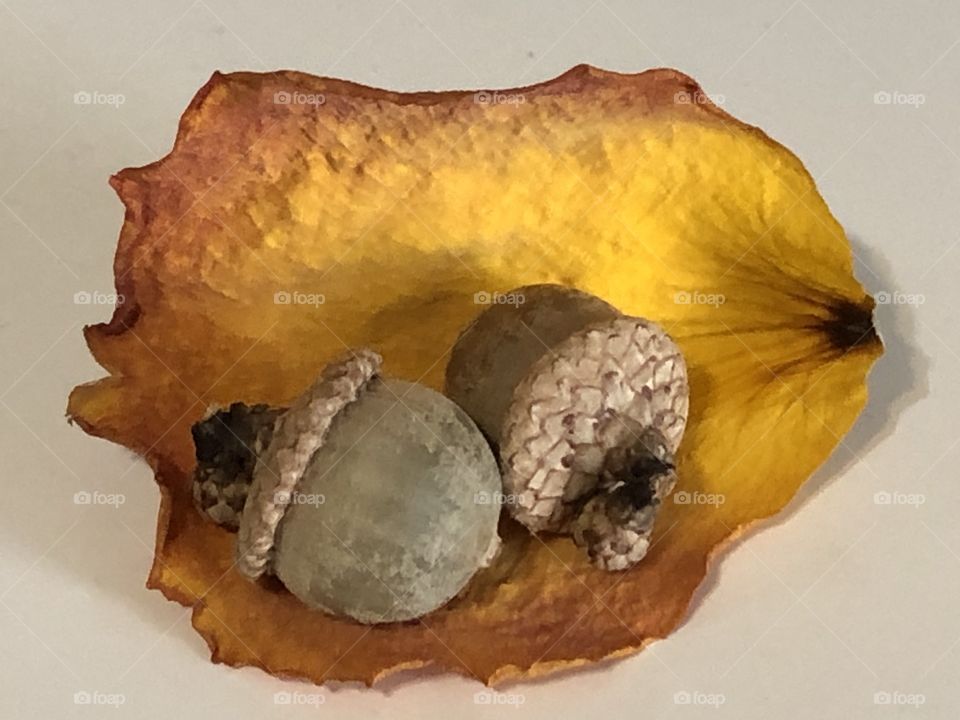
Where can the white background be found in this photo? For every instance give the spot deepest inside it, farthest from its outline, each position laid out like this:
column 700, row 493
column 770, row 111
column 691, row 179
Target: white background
column 838, row 599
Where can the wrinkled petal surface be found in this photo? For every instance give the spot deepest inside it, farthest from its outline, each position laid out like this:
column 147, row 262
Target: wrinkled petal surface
column 298, row 215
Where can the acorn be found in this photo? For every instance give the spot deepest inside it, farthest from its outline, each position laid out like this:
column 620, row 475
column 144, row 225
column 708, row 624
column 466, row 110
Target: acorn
column 587, row 408
column 361, row 497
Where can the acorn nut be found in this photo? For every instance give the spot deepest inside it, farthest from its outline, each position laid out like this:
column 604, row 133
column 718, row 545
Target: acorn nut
column 587, row 407
column 360, row 497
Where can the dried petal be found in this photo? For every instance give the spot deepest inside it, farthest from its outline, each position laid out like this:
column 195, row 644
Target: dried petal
column 297, row 216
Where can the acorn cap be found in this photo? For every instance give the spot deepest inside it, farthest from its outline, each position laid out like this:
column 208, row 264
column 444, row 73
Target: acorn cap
column 228, row 442
column 298, row 434
column 581, row 401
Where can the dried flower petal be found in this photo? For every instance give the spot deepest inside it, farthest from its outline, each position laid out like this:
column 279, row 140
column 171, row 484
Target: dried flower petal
column 297, row 216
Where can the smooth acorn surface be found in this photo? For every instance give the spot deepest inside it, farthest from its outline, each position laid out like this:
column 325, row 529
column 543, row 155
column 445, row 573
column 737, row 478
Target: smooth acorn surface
column 496, row 352
column 385, row 524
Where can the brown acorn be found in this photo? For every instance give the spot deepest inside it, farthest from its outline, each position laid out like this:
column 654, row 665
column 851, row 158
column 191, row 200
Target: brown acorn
column 587, row 407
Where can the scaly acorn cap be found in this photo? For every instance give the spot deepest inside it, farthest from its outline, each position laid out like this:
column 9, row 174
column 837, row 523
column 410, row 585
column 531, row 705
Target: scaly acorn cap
column 228, row 442
column 581, row 402
column 297, row 435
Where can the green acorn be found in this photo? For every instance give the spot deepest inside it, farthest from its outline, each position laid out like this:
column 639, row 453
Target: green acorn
column 362, row 497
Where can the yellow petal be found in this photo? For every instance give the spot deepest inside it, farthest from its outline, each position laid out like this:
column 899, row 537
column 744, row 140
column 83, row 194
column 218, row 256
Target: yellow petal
column 299, row 215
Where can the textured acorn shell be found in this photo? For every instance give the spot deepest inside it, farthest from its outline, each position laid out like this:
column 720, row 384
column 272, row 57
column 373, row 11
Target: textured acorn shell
column 389, row 521
column 495, row 352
